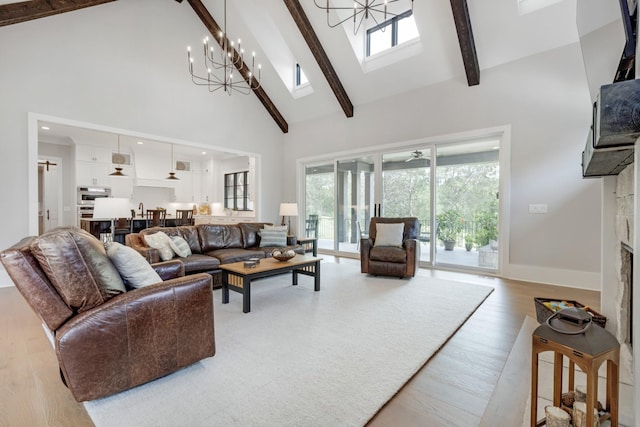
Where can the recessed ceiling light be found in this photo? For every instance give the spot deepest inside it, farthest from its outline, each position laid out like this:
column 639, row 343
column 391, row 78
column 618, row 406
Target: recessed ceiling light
column 140, row 143
column 204, row 152
column 45, row 127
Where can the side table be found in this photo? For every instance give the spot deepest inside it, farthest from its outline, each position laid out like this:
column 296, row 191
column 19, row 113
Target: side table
column 588, row 351
column 310, row 244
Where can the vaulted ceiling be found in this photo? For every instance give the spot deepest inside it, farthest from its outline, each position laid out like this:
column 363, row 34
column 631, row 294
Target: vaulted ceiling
column 458, row 39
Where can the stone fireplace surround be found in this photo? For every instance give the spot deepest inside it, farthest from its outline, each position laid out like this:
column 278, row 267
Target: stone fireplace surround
column 620, row 293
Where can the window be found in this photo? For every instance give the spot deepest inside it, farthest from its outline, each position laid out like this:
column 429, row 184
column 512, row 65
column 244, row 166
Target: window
column 236, row 191
column 392, row 32
column 301, row 79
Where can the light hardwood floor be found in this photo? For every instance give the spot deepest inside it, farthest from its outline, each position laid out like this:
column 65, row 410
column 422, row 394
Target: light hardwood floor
column 452, row 389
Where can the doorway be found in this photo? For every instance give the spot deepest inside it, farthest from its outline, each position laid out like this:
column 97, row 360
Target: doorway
column 49, row 194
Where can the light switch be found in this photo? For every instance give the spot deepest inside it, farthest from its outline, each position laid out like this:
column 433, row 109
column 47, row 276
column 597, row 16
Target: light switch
column 538, row 208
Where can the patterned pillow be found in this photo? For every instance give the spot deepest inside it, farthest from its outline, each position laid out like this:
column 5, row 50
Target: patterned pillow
column 272, row 238
column 161, row 242
column 133, row 268
column 180, row 246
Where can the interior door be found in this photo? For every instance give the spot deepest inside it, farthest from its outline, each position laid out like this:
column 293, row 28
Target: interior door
column 49, row 194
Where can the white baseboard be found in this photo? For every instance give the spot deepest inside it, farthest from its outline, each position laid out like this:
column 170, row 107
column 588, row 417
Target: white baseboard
column 553, row 276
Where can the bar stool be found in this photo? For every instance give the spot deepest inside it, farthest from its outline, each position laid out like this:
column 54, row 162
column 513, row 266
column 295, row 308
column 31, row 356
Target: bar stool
column 184, row 217
column 588, row 350
column 157, row 217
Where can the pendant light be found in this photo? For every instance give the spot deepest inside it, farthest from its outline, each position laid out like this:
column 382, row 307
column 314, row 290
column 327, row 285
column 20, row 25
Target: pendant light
column 118, row 171
column 172, row 175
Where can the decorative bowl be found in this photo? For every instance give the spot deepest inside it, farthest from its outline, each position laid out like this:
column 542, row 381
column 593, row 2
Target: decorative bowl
column 283, row 254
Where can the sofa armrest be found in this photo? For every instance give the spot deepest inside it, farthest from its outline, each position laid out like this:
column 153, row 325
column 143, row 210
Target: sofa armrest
column 137, row 337
column 135, row 241
column 169, row 269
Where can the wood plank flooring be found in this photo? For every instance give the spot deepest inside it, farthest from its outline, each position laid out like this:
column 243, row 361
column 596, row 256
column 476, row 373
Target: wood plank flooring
column 452, row 389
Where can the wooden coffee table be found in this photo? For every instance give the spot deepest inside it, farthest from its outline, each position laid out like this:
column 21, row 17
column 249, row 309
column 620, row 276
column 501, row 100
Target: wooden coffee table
column 238, row 278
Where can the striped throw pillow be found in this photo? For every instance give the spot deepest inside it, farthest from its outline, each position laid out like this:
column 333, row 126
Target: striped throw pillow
column 272, row 238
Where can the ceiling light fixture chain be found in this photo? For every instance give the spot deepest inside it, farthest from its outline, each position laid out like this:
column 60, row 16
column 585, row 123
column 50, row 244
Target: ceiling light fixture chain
column 374, row 9
column 220, row 66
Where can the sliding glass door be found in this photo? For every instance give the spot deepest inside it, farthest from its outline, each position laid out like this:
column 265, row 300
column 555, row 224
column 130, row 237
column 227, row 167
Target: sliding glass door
column 406, row 190
column 467, row 178
column 320, row 204
column 451, row 188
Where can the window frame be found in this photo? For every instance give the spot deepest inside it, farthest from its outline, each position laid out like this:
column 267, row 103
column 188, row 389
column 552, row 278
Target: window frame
column 393, row 22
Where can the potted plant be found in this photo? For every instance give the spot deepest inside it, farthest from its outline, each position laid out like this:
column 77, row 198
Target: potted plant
column 468, row 244
column 486, row 227
column 450, row 224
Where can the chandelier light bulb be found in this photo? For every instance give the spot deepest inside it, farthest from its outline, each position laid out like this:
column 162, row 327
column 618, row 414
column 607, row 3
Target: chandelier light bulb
column 188, row 48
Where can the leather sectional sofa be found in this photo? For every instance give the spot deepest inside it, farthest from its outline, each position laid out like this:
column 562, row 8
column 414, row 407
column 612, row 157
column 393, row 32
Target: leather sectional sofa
column 211, row 245
column 108, row 339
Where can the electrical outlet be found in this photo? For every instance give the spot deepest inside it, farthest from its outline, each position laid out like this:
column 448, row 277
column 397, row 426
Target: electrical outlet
column 538, row 209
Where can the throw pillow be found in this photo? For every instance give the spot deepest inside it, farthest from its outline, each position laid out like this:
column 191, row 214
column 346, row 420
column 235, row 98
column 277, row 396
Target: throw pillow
column 161, row 242
column 275, row 227
column 133, row 268
column 389, row 234
column 273, row 238
column 180, row 246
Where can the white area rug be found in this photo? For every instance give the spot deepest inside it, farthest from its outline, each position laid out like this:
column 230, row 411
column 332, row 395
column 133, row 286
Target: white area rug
column 304, row 358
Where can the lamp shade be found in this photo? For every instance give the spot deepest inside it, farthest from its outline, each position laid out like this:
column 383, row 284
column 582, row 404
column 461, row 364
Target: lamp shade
column 111, row 207
column 288, row 209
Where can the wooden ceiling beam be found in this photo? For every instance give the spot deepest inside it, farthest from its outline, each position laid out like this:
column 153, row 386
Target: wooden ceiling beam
column 14, row 13
column 465, row 37
column 214, row 29
column 301, row 20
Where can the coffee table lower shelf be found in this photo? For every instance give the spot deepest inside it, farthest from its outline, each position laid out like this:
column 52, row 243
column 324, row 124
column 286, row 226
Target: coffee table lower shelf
column 238, row 278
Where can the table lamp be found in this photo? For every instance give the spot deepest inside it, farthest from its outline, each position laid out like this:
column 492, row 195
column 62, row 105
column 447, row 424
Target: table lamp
column 111, row 208
column 288, row 210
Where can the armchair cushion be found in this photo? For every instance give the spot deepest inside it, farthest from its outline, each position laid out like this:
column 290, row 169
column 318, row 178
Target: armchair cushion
column 78, row 267
column 389, row 234
column 133, row 268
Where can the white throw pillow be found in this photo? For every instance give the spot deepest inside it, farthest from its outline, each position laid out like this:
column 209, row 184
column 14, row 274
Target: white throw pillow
column 180, row 246
column 133, row 268
column 161, row 242
column 389, row 234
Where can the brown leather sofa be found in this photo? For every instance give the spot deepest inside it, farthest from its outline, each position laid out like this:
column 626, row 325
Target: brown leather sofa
column 211, row 245
column 109, row 340
column 389, row 260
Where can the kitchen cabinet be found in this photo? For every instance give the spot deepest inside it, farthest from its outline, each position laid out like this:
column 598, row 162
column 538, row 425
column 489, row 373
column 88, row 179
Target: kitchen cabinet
column 92, row 165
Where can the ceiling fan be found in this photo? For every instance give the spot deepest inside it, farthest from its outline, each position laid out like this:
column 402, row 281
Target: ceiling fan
column 414, row 155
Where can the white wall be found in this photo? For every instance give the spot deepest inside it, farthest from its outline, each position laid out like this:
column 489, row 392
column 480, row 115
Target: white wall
column 121, row 65
column 546, row 101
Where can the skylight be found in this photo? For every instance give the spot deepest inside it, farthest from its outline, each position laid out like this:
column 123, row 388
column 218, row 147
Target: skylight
column 395, row 31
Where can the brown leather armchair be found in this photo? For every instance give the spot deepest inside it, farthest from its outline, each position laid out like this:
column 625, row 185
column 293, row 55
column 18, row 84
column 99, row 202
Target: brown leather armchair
column 391, row 260
column 108, row 340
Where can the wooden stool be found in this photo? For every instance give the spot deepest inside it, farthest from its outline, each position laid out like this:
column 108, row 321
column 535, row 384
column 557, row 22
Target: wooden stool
column 589, row 351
